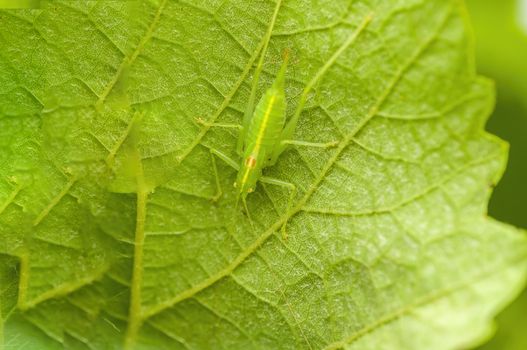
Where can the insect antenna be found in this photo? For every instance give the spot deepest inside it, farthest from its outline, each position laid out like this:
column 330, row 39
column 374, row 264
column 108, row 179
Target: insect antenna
column 247, row 211
column 236, row 204
column 245, row 207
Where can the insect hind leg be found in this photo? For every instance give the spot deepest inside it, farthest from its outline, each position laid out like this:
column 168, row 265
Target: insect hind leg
column 292, row 194
column 282, row 146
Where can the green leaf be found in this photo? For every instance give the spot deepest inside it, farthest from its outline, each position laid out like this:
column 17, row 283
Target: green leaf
column 110, row 236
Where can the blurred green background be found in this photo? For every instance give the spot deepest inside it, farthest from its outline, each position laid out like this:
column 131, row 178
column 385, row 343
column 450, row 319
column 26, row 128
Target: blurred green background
column 500, row 28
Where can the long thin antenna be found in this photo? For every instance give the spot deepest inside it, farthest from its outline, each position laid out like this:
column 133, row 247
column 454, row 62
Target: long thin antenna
column 247, row 211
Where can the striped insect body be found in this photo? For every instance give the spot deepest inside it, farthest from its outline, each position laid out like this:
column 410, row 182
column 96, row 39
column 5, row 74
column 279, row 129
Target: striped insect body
column 262, row 134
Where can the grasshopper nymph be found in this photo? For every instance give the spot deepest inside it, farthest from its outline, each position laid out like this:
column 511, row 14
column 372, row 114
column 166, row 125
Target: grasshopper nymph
column 265, row 135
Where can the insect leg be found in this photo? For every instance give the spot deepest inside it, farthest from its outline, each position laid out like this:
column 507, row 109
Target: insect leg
column 214, row 152
column 219, row 191
column 292, row 194
column 220, row 125
column 231, row 162
column 311, row 144
column 225, row 158
column 276, row 153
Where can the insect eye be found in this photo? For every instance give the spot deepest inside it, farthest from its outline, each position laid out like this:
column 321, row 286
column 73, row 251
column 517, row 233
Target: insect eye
column 250, row 190
column 235, row 185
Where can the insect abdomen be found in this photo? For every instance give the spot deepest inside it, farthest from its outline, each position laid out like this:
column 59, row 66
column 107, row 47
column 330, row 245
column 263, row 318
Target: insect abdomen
column 268, row 121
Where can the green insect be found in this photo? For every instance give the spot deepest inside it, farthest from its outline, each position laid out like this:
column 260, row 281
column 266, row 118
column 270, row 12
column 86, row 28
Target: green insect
column 266, row 133
column 264, row 136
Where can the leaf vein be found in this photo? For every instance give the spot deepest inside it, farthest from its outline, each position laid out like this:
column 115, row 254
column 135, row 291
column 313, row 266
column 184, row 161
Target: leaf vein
column 127, row 61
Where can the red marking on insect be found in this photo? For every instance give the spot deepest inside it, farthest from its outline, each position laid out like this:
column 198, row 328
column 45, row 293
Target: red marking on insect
column 250, row 162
